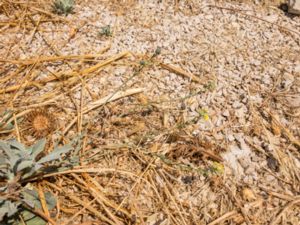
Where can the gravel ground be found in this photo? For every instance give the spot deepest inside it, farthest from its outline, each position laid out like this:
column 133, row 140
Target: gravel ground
column 248, row 60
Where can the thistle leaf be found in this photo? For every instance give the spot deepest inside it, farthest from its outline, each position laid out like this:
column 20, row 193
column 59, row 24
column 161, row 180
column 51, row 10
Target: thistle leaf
column 27, row 215
column 8, row 208
column 56, row 154
column 3, row 211
column 3, row 160
column 24, row 164
column 30, row 172
column 32, row 197
column 34, row 220
column 16, row 157
column 38, row 147
column 18, row 145
column 12, row 157
column 6, row 148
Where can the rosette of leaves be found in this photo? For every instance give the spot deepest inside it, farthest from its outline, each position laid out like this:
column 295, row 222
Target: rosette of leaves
column 11, row 211
column 63, row 7
column 19, row 164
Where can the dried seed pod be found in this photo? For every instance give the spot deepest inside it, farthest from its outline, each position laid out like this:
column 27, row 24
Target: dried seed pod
column 41, row 122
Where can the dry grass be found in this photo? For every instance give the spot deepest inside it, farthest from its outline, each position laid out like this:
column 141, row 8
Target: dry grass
column 136, row 168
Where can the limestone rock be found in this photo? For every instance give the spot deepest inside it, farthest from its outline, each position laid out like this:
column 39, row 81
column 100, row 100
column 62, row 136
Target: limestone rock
column 294, row 7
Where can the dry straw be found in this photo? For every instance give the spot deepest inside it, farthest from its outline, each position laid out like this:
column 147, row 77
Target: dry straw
column 140, row 162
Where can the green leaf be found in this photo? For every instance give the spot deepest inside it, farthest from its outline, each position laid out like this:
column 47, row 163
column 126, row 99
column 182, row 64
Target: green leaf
column 8, row 208
column 18, row 145
column 35, row 220
column 23, row 155
column 30, row 172
column 27, row 215
column 12, row 157
column 3, row 211
column 32, row 197
column 56, row 154
column 50, row 200
column 3, row 160
column 106, row 31
column 78, row 142
column 6, row 148
column 31, row 219
column 38, row 147
column 24, row 164
column 63, row 6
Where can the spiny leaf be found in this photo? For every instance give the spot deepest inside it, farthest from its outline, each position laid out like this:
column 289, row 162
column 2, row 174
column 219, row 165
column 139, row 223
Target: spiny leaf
column 77, row 141
column 17, row 145
column 27, row 215
column 6, row 148
column 56, row 154
column 3, row 160
column 8, row 209
column 12, row 157
column 33, row 197
column 38, row 147
column 24, row 164
column 34, row 220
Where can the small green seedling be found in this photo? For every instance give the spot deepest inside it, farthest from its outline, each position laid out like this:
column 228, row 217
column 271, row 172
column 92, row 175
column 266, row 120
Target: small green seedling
column 144, row 62
column 157, row 52
column 204, row 114
column 211, row 86
column 63, row 7
column 106, row 31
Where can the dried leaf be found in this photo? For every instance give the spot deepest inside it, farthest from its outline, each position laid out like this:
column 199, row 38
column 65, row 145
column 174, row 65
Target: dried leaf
column 275, row 128
column 248, row 194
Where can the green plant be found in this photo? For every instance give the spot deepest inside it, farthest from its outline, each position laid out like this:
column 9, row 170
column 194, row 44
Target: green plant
column 157, row 52
column 214, row 168
column 63, row 7
column 12, row 209
column 204, row 114
column 211, row 85
column 18, row 165
column 144, row 63
column 106, row 31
